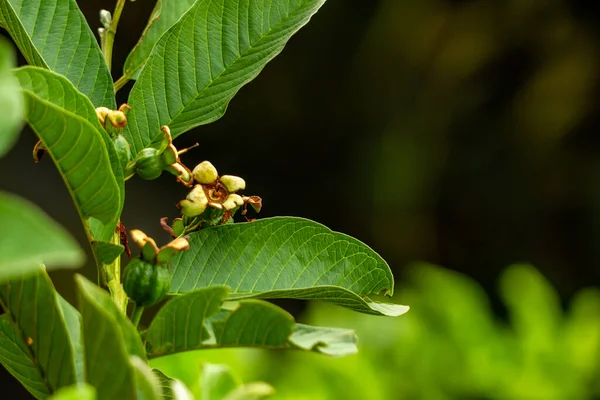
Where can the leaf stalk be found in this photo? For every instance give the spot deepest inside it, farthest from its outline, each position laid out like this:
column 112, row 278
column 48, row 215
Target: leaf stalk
column 113, row 278
column 136, row 315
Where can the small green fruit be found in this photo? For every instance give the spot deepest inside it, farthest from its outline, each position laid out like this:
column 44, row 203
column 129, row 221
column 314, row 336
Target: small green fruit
column 148, row 164
column 146, row 283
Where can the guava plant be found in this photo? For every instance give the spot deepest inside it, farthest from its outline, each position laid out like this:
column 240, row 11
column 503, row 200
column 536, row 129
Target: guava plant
column 214, row 277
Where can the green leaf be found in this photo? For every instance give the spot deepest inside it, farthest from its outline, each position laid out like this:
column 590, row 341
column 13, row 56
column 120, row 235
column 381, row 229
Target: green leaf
column 15, row 356
column 54, row 34
column 199, row 64
column 102, row 235
column 172, row 389
column 66, row 123
column 76, row 392
column 173, row 329
column 217, row 381
column 286, row 258
column 164, row 16
column 330, row 341
column 38, row 345
column 29, row 238
column 251, row 391
column 534, row 307
column 73, row 324
column 11, row 100
column 109, row 340
column 146, row 382
column 199, row 320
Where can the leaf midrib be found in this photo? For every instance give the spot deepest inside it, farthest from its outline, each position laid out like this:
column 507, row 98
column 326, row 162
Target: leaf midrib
column 33, row 359
column 49, row 104
column 225, row 69
column 27, row 35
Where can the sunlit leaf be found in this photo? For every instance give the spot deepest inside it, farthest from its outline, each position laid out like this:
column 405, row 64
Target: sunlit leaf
column 28, row 238
column 11, row 99
column 286, row 258
column 199, row 64
column 251, row 391
column 217, row 381
column 76, row 392
column 54, row 34
column 330, row 341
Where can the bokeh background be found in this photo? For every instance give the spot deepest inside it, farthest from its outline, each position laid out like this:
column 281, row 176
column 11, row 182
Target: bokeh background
column 462, row 134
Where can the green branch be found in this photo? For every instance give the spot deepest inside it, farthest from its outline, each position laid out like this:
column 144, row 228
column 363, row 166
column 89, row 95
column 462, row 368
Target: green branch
column 109, row 36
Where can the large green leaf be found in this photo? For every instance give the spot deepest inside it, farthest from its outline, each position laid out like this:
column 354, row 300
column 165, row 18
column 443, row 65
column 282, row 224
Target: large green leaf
column 286, row 258
column 38, row 335
column 29, row 238
column 66, row 122
column 199, row 64
column 109, row 340
column 11, row 99
column 164, row 16
column 54, row 34
column 198, row 320
column 75, row 392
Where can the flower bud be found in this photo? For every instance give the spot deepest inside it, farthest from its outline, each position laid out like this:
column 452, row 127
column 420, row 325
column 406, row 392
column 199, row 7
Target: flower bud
column 148, row 164
column 105, row 18
column 233, row 201
column 117, row 119
column 195, row 202
column 101, row 113
column 205, row 173
column 233, row 183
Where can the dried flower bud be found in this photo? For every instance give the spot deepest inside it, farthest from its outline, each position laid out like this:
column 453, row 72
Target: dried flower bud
column 169, row 250
column 117, row 119
column 101, row 113
column 195, row 202
column 205, row 173
column 233, row 183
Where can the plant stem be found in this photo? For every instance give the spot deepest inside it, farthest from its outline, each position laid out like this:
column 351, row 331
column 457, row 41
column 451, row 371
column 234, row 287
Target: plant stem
column 121, row 82
column 136, row 315
column 109, row 38
column 113, row 278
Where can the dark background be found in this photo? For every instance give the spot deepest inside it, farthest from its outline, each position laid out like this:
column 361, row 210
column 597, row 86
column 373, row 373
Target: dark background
column 462, row 133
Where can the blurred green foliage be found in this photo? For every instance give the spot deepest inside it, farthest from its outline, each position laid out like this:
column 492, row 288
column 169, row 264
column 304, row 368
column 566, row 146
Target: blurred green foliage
column 449, row 346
